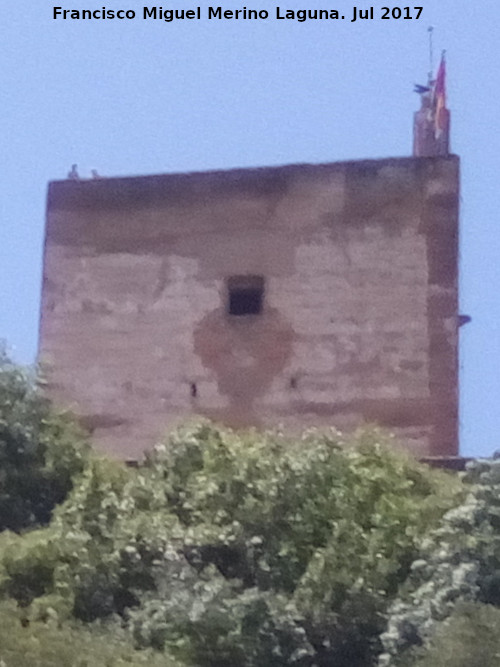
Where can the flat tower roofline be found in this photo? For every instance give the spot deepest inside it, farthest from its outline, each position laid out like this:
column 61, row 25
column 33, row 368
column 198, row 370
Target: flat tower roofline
column 126, row 191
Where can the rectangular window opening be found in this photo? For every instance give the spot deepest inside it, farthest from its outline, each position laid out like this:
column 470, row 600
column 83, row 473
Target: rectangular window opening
column 245, row 295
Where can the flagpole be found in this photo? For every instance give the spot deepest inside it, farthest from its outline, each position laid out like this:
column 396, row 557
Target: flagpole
column 430, row 30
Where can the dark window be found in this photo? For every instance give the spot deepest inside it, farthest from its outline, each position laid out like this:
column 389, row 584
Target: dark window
column 245, row 295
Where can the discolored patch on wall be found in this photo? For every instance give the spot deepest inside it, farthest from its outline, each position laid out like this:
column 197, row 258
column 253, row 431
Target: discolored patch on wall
column 245, row 353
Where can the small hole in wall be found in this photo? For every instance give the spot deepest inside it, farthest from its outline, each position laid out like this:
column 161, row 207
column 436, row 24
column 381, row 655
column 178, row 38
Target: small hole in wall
column 193, row 390
column 293, row 383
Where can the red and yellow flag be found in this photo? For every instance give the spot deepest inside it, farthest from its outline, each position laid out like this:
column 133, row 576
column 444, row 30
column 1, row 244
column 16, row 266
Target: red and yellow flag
column 439, row 99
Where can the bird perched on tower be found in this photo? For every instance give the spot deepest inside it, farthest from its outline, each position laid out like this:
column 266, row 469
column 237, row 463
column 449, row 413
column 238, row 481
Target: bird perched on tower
column 421, row 89
column 73, row 174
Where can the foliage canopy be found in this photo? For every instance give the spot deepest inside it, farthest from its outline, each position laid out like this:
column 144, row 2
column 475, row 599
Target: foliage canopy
column 458, row 561
column 236, row 549
column 40, row 452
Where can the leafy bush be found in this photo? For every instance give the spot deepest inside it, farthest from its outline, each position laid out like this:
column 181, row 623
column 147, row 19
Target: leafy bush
column 97, row 554
column 459, row 561
column 40, row 452
column 236, row 549
column 470, row 637
column 211, row 621
column 25, row 643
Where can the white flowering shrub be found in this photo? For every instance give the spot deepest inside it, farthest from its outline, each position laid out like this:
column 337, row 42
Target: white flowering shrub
column 236, row 549
column 97, row 555
column 209, row 620
column 459, row 561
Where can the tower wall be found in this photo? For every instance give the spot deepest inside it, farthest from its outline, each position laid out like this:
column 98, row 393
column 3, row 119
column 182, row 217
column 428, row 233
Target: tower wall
column 358, row 320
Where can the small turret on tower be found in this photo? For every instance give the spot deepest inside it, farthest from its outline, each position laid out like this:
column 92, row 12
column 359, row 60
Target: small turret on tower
column 431, row 127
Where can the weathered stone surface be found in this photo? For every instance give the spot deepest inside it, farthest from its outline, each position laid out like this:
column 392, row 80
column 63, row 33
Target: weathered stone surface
column 359, row 320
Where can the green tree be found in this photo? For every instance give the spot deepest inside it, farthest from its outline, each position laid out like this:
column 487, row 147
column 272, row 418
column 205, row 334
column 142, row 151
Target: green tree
column 244, row 549
column 40, row 452
column 25, row 643
column 459, row 561
column 469, row 637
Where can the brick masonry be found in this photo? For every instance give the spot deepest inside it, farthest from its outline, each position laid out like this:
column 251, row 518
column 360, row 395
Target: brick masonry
column 359, row 320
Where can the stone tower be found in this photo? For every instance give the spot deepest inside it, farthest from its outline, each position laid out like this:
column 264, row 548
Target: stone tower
column 301, row 295
column 298, row 295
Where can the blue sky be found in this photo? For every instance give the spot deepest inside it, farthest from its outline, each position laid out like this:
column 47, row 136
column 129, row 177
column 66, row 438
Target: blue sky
column 138, row 97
